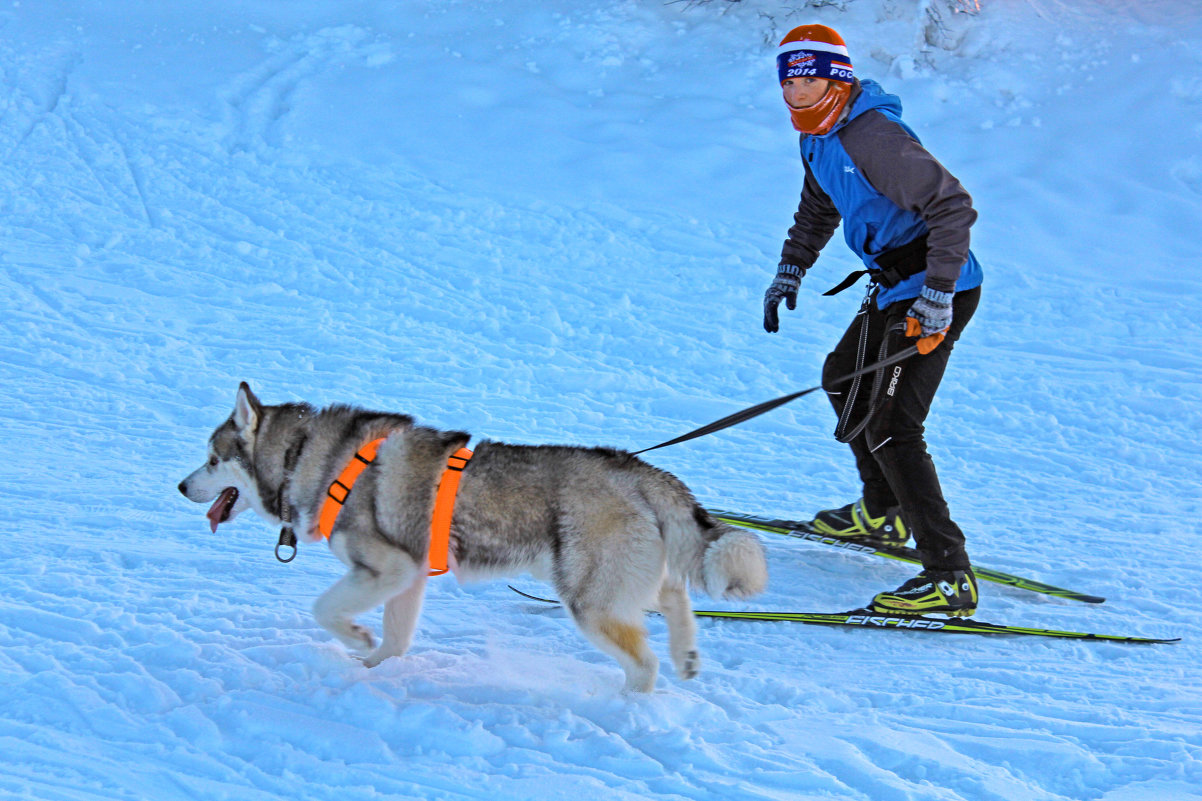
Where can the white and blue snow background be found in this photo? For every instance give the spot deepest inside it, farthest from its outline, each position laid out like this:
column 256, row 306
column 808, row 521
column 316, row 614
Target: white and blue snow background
column 554, row 223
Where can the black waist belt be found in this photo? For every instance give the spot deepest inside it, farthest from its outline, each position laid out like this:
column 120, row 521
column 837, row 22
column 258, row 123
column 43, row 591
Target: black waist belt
column 892, row 266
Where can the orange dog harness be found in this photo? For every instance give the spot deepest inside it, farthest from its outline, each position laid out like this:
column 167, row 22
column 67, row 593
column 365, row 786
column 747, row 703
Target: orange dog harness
column 340, row 490
column 444, row 508
column 444, row 500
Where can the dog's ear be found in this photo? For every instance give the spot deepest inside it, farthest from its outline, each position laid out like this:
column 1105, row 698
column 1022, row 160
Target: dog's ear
column 247, row 409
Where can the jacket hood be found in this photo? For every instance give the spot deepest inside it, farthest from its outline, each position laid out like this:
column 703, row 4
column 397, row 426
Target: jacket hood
column 872, row 96
column 867, row 95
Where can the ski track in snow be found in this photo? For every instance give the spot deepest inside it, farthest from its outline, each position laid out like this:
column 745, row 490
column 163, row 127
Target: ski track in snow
column 176, row 217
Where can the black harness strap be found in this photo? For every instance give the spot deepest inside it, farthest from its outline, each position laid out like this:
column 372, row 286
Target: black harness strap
column 854, row 392
column 851, row 278
column 892, row 266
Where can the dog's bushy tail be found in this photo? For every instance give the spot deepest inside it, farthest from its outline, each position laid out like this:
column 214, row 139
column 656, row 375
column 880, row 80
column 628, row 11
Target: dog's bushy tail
column 717, row 558
column 733, row 565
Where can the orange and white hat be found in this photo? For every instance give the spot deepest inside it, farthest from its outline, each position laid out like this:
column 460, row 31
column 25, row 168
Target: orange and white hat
column 816, row 51
column 813, row 51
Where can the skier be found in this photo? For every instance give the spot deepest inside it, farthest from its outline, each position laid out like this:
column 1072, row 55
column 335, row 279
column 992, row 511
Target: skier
column 908, row 219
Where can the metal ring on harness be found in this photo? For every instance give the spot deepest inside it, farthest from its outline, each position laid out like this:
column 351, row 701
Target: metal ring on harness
column 287, row 540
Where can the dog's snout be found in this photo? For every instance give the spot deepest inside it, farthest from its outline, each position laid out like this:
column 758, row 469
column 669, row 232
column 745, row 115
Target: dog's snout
column 183, row 488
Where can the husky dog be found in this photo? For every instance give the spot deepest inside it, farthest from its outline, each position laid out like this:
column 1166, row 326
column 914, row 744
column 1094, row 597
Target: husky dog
column 614, row 535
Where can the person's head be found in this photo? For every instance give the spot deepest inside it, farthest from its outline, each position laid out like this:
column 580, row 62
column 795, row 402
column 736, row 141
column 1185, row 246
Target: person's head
column 815, row 76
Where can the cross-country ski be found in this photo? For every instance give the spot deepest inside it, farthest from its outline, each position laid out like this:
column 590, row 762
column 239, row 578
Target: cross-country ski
column 866, row 619
column 871, row 547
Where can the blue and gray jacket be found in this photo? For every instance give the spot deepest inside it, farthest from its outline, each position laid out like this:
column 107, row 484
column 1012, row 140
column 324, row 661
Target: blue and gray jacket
column 871, row 173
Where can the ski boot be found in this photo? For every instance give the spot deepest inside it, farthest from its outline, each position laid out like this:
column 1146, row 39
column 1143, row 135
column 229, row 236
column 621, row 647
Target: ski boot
column 950, row 592
column 853, row 521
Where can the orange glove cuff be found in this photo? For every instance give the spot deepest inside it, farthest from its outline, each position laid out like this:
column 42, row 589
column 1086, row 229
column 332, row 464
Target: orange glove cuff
column 925, row 344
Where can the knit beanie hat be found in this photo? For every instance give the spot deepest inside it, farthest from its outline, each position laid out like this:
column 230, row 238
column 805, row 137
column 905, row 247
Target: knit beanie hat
column 816, row 51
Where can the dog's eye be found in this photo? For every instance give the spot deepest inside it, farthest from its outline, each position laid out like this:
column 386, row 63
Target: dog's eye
column 212, row 461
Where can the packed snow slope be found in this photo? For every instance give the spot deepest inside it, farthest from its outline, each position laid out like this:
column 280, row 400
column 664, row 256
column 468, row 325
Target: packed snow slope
column 553, row 223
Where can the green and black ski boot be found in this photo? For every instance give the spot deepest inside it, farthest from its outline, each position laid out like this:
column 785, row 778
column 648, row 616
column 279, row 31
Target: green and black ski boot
column 949, row 592
column 853, row 521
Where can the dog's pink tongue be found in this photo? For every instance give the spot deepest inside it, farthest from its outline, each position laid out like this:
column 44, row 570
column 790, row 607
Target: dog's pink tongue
column 219, row 512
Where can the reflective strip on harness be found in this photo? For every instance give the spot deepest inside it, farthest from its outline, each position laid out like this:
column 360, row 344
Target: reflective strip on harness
column 444, row 508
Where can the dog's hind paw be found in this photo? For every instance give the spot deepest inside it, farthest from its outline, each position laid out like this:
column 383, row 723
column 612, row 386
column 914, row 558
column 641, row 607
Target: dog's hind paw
column 374, row 658
column 380, row 654
column 690, row 666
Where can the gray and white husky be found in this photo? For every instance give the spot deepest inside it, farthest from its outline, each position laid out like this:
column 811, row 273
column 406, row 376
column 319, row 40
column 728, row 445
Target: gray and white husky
column 614, row 535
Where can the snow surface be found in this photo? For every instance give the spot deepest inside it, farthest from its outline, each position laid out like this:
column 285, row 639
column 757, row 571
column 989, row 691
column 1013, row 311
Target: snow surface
column 553, row 223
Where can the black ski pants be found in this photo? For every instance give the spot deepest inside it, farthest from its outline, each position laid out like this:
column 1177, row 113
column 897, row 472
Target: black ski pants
column 891, row 453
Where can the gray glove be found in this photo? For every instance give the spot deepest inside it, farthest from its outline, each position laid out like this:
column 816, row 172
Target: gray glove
column 784, row 286
column 933, row 311
column 929, row 318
